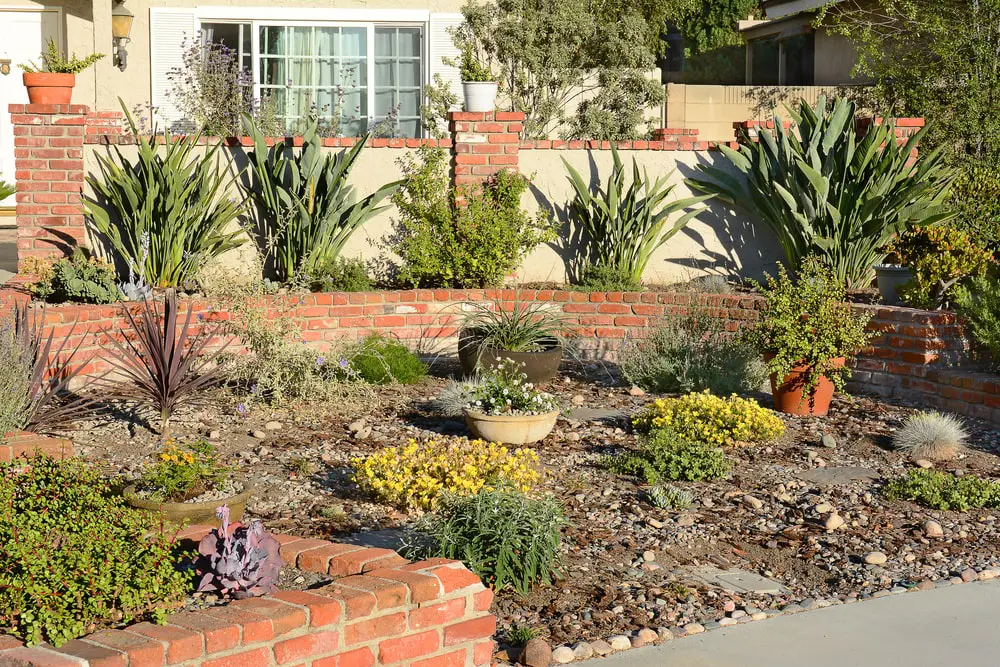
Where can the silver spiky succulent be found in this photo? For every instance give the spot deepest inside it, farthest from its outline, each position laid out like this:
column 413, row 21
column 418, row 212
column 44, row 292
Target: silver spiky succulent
column 238, row 561
column 669, row 497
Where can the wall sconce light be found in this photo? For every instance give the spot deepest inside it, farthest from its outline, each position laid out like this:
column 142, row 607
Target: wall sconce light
column 121, row 26
column 4, row 66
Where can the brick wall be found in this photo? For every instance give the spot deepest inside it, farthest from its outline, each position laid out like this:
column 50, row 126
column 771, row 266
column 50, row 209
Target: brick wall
column 484, row 143
column 380, row 610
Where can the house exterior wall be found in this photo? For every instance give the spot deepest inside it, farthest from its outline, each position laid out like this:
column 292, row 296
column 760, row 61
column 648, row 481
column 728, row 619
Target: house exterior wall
column 835, row 58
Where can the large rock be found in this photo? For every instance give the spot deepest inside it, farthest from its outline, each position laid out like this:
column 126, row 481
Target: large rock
column 536, row 653
column 563, row 655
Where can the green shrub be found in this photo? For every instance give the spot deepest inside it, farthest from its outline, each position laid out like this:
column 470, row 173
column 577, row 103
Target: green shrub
column 940, row 258
column 180, row 472
column 693, row 353
column 824, row 192
column 55, row 60
column 441, row 243
column 381, row 360
column 664, row 455
column 75, row 555
column 619, row 226
column 975, row 198
column 944, row 491
column 506, row 537
column 979, row 304
column 605, row 278
column 340, row 275
column 79, row 278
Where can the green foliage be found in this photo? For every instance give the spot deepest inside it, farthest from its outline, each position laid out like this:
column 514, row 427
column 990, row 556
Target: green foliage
column 826, row 193
column 944, row 491
column 621, row 226
column 182, row 471
column 940, row 259
column 7, row 190
column 381, row 360
column 693, row 353
column 443, row 244
column 15, row 379
column 667, row 496
column 506, row 537
column 470, row 67
column 78, row 278
column 520, row 635
column 605, row 278
column 167, row 213
column 440, row 100
column 618, row 107
column 75, row 555
column 531, row 327
column 664, row 455
column 979, row 305
column 54, row 60
column 807, row 322
column 340, row 274
column 703, row 417
column 975, row 198
column 305, row 210
column 708, row 25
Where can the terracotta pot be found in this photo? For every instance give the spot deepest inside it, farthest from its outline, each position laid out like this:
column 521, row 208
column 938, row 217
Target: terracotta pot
column 511, row 429
column 49, row 87
column 789, row 396
column 191, row 513
column 538, row 366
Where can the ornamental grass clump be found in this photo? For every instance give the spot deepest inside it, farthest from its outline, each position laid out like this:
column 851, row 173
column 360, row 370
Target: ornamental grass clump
column 932, row 436
column 703, row 417
column 415, row 475
column 664, row 455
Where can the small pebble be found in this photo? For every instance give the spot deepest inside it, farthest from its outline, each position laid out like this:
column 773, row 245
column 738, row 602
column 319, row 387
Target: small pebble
column 876, row 558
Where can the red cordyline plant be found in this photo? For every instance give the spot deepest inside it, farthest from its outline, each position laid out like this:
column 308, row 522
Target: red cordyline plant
column 162, row 361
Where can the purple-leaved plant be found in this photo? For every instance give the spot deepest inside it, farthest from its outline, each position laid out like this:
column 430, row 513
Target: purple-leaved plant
column 241, row 563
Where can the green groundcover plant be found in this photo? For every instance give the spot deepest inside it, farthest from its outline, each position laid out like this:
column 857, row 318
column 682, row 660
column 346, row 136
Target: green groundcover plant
column 665, row 456
column 944, row 491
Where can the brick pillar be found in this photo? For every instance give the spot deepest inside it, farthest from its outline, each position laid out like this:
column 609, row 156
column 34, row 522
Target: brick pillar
column 483, row 144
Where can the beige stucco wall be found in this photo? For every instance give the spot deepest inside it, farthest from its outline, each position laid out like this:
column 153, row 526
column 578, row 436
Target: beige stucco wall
column 835, row 58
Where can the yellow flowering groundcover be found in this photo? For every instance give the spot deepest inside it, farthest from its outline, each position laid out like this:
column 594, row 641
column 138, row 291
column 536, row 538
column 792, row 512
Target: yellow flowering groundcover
column 703, row 417
column 414, row 475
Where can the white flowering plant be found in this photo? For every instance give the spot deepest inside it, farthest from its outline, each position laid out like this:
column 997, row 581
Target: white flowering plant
column 505, row 390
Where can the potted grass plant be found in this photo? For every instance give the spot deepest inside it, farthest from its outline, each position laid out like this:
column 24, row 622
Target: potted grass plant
column 504, row 407
column 531, row 335
column 52, row 81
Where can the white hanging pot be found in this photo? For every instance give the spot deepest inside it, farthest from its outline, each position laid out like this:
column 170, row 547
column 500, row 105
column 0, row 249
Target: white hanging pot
column 480, row 96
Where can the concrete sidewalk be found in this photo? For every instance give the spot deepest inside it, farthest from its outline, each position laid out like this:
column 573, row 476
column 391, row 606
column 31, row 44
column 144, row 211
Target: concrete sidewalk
column 949, row 626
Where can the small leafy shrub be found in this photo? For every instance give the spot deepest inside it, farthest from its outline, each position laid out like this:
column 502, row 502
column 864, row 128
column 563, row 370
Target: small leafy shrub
column 693, row 353
column 940, row 258
column 444, row 243
column 979, row 305
column 415, row 475
column 182, row 471
column 506, row 537
column 54, row 60
column 78, row 278
column 808, row 322
column 242, row 563
column 668, row 496
column 975, row 197
column 505, row 390
column 76, row 555
column 531, row 327
column 340, row 275
column 381, row 360
column 665, row 455
column 944, row 491
column 606, row 278
column 932, row 436
column 702, row 417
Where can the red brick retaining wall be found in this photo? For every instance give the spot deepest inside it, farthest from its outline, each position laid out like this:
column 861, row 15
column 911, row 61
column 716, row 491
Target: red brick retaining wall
column 380, row 610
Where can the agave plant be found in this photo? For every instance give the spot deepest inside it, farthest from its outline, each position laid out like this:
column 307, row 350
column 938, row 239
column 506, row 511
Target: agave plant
column 241, row 563
column 163, row 363
column 622, row 226
column 306, row 211
column 824, row 192
column 167, row 212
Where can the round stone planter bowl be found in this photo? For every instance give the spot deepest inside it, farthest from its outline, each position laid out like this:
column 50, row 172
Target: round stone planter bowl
column 511, row 429
column 193, row 513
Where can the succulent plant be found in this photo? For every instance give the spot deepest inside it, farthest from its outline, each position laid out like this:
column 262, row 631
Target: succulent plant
column 669, row 497
column 238, row 561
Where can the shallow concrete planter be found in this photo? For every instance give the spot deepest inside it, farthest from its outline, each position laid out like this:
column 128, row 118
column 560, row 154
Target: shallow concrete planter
column 480, row 96
column 511, row 429
column 538, row 366
column 49, row 87
column 191, row 513
column 890, row 278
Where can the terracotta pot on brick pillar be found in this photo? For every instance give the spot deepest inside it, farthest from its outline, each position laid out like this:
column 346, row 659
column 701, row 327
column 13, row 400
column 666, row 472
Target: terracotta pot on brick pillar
column 49, row 87
column 790, row 397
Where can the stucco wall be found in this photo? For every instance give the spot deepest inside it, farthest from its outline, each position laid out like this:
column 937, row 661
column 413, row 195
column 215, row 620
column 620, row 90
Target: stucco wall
column 835, row 58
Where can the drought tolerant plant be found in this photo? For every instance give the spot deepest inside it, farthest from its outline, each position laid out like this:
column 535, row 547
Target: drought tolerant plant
column 825, row 192
column 702, row 417
column 339, row 275
column 505, row 390
column 454, row 398
column 808, row 323
column 944, row 491
column 519, row 635
column 693, row 353
column 668, row 496
column 6, row 190
column 509, row 539
column 77, row 278
column 305, row 211
column 381, row 360
column 931, row 436
column 979, row 305
column 663, row 454
column 240, row 563
column 76, row 555
column 448, row 237
column 975, row 197
column 160, row 359
column 416, row 474
column 181, row 472
column 619, row 226
column 166, row 213
column 940, row 259
column 15, row 380
column 531, row 327
column 54, row 60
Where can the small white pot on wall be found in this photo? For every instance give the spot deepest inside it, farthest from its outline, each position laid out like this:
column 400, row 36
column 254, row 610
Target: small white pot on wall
column 480, row 96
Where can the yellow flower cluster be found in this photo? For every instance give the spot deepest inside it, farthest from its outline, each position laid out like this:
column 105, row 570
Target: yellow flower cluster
column 174, row 454
column 712, row 419
column 413, row 476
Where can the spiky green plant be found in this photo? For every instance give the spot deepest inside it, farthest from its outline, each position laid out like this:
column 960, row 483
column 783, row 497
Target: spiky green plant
column 619, row 226
column 167, row 212
column 6, row 189
column 305, row 210
column 824, row 192
column 521, row 328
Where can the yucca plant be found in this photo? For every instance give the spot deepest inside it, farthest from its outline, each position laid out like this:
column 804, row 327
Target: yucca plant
column 166, row 213
column 161, row 360
column 305, row 210
column 620, row 225
column 824, row 192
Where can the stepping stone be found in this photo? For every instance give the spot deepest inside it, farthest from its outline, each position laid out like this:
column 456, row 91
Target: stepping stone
column 389, row 538
column 835, row 475
column 734, row 580
column 586, row 414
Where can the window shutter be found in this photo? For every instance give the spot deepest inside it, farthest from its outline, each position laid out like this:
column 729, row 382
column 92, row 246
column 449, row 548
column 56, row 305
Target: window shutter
column 170, row 30
column 442, row 46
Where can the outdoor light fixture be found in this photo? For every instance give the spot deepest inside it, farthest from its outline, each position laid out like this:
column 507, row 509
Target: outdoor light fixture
column 121, row 26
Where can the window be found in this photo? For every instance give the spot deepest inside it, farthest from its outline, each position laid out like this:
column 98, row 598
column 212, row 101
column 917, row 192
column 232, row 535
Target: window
column 398, row 73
